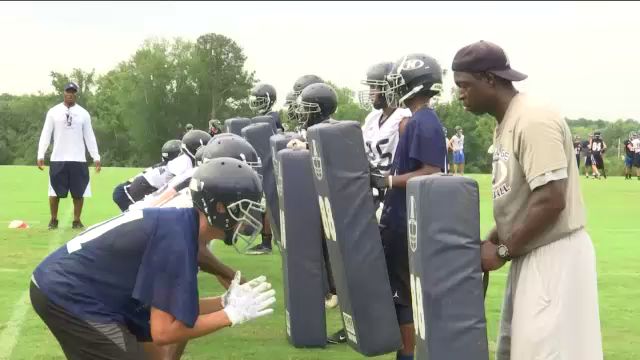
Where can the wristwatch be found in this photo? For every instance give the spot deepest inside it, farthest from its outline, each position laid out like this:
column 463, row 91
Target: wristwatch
column 503, row 252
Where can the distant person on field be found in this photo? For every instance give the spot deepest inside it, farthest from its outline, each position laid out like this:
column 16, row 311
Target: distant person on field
column 629, row 155
column 636, row 157
column 70, row 125
column 598, row 147
column 577, row 149
column 456, row 144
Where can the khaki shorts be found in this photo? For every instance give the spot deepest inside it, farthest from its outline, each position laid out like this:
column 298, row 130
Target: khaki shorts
column 550, row 309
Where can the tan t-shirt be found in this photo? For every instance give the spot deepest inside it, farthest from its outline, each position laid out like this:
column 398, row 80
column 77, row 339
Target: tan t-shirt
column 533, row 145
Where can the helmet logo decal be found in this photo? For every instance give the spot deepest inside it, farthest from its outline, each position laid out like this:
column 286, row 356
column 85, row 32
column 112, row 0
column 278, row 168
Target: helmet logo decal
column 316, row 161
column 413, row 226
column 411, row 64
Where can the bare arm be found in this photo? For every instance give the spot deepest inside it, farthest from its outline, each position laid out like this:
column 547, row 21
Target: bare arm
column 166, row 195
column 401, row 180
column 210, row 305
column 209, row 263
column 165, row 329
column 545, row 205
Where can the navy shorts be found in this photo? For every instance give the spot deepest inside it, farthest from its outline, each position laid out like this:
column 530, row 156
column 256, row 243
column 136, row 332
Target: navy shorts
column 68, row 176
column 587, row 160
column 396, row 253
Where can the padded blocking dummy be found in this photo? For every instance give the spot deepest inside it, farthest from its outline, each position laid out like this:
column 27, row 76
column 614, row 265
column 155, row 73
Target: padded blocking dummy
column 258, row 136
column 277, row 143
column 301, row 250
column 446, row 279
column 235, row 125
column 341, row 176
column 265, row 119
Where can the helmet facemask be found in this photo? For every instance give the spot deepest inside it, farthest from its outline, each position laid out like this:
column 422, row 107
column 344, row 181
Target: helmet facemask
column 374, row 97
column 245, row 219
column 397, row 90
column 307, row 113
column 260, row 103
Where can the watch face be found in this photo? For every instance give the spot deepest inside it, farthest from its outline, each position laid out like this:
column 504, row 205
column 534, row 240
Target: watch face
column 502, row 251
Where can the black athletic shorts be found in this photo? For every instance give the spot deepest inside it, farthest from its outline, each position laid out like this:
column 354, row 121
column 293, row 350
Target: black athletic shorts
column 636, row 160
column 83, row 340
column 596, row 159
column 120, row 196
column 139, row 188
column 65, row 176
column 587, row 160
column 396, row 253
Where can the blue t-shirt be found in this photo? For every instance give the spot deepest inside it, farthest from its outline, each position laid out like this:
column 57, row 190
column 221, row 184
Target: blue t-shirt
column 117, row 270
column 421, row 143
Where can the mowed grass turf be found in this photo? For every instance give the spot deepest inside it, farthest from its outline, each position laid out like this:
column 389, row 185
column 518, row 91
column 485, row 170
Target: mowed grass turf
column 613, row 224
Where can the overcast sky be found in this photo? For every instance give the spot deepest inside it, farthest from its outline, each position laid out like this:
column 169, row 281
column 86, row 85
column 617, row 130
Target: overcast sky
column 583, row 58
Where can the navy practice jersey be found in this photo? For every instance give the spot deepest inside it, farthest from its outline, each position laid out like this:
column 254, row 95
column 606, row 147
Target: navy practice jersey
column 116, row 270
column 276, row 116
column 421, row 143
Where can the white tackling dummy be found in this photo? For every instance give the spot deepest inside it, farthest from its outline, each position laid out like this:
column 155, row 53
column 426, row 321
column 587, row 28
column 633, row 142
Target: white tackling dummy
column 380, row 141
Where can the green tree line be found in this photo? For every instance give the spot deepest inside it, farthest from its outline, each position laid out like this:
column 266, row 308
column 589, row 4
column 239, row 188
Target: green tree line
column 149, row 98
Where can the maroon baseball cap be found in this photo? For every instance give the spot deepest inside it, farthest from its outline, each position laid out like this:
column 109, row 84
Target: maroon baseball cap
column 484, row 56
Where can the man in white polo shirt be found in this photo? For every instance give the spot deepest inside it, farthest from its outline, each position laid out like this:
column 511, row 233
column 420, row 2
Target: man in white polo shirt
column 70, row 125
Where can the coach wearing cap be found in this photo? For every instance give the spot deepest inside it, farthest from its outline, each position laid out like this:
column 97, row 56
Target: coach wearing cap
column 550, row 309
column 70, row 125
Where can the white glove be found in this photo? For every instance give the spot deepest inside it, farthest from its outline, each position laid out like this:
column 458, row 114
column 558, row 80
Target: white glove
column 296, row 144
column 247, row 302
column 235, row 283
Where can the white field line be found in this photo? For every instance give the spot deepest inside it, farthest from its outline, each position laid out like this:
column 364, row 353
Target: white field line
column 9, row 336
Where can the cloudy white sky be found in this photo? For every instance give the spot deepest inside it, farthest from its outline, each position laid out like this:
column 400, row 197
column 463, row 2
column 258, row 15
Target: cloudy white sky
column 583, row 58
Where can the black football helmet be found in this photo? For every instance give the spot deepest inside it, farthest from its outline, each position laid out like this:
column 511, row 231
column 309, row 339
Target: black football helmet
column 413, row 74
column 233, row 146
column 223, row 135
column 235, row 185
column 262, row 98
column 316, row 104
column 374, row 97
column 597, row 134
column 304, row 81
column 171, row 150
column 193, row 140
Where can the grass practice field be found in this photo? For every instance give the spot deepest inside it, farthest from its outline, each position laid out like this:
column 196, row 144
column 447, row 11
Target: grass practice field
column 613, row 223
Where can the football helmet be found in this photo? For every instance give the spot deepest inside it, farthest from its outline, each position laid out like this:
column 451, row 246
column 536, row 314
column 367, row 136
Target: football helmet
column 262, row 98
column 193, row 140
column 235, row 185
column 413, row 74
column 316, row 103
column 373, row 97
column 171, row 150
column 234, row 147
